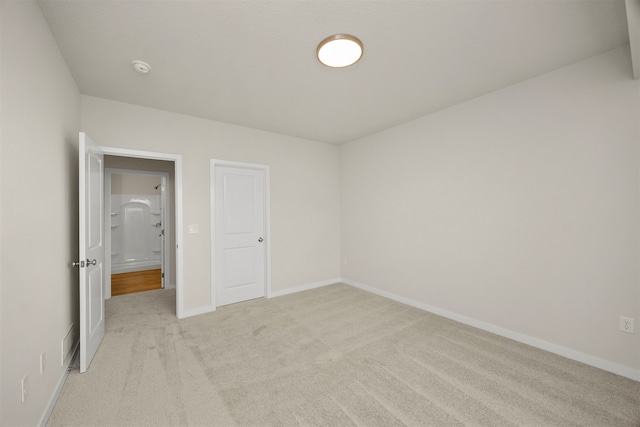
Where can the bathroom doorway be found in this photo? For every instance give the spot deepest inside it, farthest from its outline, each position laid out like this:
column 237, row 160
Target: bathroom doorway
column 139, row 211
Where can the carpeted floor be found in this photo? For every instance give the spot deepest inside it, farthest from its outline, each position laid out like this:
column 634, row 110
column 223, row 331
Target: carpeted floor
column 333, row 356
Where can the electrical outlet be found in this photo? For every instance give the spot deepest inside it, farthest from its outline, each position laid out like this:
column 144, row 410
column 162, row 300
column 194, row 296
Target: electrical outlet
column 25, row 387
column 42, row 362
column 626, row 324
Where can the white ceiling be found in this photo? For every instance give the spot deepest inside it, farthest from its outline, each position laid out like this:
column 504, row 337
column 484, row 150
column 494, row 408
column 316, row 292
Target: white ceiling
column 253, row 63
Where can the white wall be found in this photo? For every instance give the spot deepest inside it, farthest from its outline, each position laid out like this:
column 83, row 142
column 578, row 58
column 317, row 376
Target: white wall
column 129, row 183
column 40, row 114
column 519, row 209
column 305, row 192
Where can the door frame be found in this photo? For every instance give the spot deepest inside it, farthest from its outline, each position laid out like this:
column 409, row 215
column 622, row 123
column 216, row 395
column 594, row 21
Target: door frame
column 177, row 220
column 267, row 221
column 166, row 224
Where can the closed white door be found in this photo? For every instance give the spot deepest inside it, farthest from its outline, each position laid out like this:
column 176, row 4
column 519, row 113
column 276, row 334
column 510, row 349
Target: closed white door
column 91, row 249
column 239, row 234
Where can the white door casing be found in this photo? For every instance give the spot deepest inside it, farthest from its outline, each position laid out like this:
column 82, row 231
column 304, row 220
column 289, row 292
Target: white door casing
column 91, row 249
column 239, row 232
column 174, row 221
column 162, row 234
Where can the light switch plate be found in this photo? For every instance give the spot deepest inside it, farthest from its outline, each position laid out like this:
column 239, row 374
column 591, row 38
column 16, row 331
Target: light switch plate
column 193, row 228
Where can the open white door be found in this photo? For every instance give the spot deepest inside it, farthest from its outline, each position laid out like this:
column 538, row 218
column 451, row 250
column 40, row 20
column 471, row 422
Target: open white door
column 91, row 249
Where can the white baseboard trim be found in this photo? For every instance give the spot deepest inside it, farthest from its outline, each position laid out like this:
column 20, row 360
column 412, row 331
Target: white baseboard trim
column 54, row 397
column 578, row 356
column 293, row 290
column 170, row 286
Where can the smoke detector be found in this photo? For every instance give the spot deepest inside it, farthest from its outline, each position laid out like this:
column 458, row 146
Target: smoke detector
column 141, row 66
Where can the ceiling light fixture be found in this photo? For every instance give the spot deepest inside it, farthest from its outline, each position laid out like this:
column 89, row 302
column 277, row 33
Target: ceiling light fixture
column 141, row 67
column 340, row 50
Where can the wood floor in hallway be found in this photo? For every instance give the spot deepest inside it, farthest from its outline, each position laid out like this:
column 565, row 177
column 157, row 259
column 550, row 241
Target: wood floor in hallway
column 137, row 281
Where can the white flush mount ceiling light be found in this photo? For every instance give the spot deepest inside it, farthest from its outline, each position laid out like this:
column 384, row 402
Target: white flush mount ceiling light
column 141, row 66
column 340, row 50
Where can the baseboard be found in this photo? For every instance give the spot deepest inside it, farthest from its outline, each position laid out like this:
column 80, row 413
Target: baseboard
column 170, row 286
column 58, row 390
column 587, row 359
column 300, row 288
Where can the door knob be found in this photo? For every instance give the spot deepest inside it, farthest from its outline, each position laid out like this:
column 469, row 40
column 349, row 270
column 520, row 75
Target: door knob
column 260, row 239
column 81, row 264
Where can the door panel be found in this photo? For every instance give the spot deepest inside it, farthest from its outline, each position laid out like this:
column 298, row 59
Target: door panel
column 94, row 192
column 239, row 229
column 239, row 203
column 95, row 287
column 239, row 267
column 91, row 249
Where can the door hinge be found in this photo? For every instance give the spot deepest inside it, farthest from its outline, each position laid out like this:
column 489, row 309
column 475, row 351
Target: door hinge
column 163, row 275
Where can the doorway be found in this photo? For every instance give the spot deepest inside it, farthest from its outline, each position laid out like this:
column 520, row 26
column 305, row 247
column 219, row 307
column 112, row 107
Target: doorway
column 240, row 249
column 138, row 227
column 167, row 168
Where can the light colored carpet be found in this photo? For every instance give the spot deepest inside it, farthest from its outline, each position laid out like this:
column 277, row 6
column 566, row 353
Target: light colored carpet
column 333, row 356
